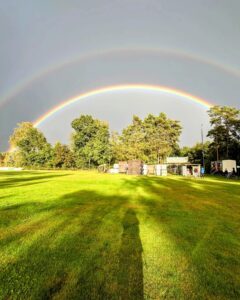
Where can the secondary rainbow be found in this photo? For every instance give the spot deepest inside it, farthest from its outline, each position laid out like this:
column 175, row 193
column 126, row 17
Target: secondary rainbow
column 124, row 87
column 178, row 53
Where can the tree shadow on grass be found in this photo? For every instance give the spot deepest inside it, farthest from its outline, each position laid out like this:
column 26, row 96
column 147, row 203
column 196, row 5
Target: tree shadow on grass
column 201, row 219
column 130, row 276
column 78, row 257
column 24, row 181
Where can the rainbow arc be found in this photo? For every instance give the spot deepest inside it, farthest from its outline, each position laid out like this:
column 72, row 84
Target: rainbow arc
column 124, row 87
column 117, row 88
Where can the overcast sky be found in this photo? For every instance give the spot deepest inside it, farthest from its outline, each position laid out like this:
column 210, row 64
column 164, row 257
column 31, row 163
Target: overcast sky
column 51, row 50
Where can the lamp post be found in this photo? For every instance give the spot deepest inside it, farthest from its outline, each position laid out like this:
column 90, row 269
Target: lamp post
column 203, row 158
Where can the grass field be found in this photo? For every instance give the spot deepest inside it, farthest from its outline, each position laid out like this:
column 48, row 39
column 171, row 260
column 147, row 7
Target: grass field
column 81, row 235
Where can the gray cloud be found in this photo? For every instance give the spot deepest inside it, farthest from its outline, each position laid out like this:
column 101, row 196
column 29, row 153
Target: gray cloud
column 38, row 34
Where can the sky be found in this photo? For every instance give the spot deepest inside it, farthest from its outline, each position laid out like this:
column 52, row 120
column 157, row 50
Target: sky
column 53, row 50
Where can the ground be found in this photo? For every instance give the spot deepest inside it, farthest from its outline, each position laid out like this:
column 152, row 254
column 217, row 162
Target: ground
column 83, row 235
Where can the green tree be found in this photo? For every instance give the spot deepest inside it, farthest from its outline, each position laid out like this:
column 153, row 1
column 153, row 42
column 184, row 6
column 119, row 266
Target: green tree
column 115, row 147
column 195, row 154
column 90, row 141
column 2, row 158
column 150, row 140
column 62, row 156
column 161, row 136
column 31, row 147
column 13, row 159
column 225, row 131
column 132, row 140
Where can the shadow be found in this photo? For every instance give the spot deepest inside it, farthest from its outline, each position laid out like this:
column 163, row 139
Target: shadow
column 201, row 219
column 75, row 250
column 19, row 206
column 130, row 276
column 86, row 244
column 14, row 214
column 26, row 180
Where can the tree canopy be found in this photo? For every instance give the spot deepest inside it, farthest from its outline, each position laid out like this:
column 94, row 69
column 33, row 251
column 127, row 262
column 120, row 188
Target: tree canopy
column 151, row 139
column 32, row 146
column 90, row 141
column 225, row 131
column 62, row 156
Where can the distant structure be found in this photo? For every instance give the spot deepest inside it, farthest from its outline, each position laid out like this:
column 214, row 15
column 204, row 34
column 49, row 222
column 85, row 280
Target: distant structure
column 221, row 166
column 181, row 166
column 173, row 165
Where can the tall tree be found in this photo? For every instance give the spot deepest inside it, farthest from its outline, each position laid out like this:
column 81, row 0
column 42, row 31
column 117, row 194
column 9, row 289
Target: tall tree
column 2, row 158
column 225, row 131
column 161, row 135
column 30, row 145
column 132, row 140
column 62, row 157
column 90, row 141
column 116, row 147
column 150, row 140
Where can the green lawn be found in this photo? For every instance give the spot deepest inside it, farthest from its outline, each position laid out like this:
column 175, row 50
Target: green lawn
column 82, row 235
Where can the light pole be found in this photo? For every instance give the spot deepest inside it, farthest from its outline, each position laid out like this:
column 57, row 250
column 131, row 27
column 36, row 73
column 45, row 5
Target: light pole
column 89, row 162
column 203, row 158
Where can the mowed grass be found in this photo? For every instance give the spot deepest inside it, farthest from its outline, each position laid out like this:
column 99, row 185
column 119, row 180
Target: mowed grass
column 83, row 235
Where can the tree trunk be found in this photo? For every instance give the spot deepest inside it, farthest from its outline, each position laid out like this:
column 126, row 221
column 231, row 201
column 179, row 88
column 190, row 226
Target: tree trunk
column 227, row 148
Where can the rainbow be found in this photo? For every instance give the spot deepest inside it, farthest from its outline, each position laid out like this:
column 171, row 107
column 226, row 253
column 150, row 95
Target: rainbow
column 27, row 82
column 124, row 87
column 116, row 88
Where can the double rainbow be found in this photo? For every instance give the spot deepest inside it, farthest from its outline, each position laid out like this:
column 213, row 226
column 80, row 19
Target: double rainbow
column 161, row 52
column 116, row 88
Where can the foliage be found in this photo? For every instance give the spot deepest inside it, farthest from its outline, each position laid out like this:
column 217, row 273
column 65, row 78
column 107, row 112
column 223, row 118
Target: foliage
column 2, row 158
column 117, row 151
column 151, row 139
column 225, row 132
column 31, row 147
column 132, row 140
column 62, row 157
column 13, row 159
column 197, row 152
column 225, row 135
column 90, row 141
column 162, row 136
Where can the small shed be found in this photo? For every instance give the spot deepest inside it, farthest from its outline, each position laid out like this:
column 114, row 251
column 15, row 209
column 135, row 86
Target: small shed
column 161, row 170
column 135, row 167
column 122, row 167
column 220, row 166
column 181, row 166
column 191, row 170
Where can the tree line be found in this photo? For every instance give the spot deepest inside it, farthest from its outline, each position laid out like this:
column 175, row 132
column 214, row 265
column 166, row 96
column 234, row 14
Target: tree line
column 224, row 136
column 150, row 139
